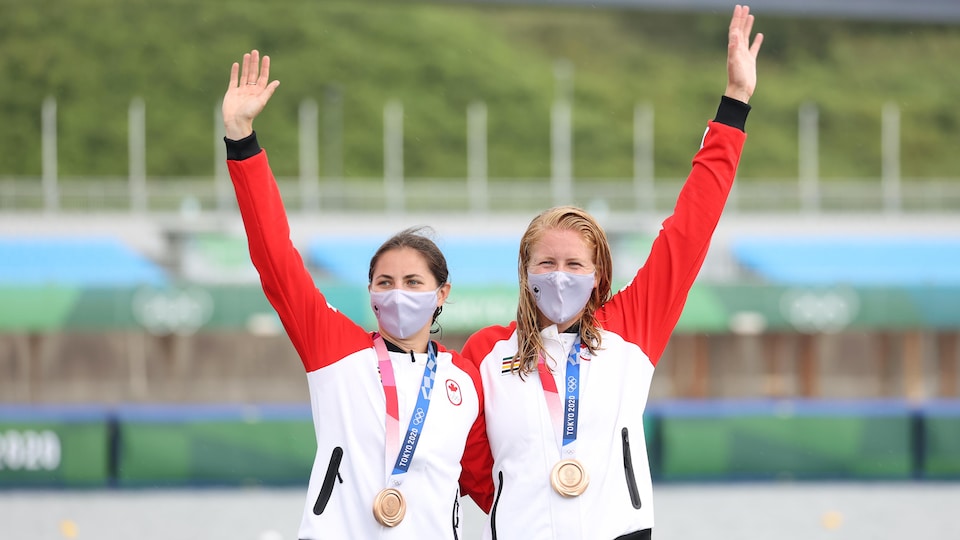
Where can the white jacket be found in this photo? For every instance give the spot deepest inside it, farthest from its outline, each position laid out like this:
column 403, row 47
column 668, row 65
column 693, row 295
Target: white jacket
column 636, row 323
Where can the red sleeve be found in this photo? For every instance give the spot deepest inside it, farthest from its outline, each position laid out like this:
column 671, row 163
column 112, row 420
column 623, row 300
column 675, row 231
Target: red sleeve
column 479, row 345
column 320, row 333
column 476, row 478
column 646, row 311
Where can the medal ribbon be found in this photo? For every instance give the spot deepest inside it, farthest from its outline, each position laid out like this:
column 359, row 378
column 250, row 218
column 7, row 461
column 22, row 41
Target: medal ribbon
column 565, row 415
column 404, row 450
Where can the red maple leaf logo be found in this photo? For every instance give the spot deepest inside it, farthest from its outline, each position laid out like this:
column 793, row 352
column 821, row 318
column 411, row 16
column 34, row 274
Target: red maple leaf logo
column 453, row 392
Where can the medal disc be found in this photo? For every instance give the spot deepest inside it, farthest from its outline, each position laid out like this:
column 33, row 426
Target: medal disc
column 389, row 507
column 569, row 478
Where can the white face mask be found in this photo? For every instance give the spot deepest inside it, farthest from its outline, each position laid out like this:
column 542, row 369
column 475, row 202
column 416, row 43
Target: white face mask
column 561, row 296
column 403, row 313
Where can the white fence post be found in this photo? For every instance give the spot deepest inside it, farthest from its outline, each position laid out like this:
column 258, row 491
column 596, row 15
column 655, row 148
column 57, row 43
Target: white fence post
column 309, row 160
column 643, row 170
column 137, row 143
column 51, row 194
column 393, row 156
column 477, row 156
column 561, row 134
column 333, row 133
column 890, row 175
column 221, row 178
column 809, row 163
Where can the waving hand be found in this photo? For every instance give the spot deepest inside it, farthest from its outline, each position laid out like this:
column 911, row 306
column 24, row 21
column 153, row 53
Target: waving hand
column 247, row 94
column 742, row 55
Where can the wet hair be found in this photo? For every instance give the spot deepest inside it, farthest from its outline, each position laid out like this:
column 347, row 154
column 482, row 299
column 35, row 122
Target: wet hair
column 416, row 238
column 563, row 218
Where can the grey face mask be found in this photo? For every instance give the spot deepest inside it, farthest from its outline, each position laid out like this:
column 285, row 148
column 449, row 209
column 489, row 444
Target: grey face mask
column 401, row 313
column 561, row 296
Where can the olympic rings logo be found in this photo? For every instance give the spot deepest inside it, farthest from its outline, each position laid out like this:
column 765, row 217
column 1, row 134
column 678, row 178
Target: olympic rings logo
column 172, row 311
column 820, row 311
column 418, row 416
column 571, row 383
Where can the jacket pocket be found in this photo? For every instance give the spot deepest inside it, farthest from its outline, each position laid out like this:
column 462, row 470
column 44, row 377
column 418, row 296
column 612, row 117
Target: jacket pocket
column 493, row 509
column 628, row 470
column 333, row 474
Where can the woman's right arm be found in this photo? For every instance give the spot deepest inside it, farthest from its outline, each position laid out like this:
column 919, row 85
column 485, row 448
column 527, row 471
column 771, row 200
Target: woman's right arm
column 287, row 283
column 647, row 310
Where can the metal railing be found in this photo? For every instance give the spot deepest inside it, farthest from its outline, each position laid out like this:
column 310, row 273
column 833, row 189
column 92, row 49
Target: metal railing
column 454, row 196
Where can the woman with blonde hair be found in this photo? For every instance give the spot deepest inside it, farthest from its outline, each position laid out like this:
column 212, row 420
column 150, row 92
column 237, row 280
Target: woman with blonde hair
column 566, row 384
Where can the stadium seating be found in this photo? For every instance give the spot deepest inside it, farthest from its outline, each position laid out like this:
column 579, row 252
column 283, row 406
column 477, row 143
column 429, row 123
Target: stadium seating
column 865, row 261
column 216, row 258
column 474, row 260
column 74, row 261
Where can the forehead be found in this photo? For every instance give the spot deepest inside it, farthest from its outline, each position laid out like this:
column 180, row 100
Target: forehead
column 401, row 262
column 561, row 243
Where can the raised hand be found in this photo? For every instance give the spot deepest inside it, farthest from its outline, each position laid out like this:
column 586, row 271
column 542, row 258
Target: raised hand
column 742, row 56
column 247, row 94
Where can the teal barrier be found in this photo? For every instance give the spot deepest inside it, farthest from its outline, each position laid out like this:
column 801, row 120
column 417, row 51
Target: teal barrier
column 215, row 446
column 786, row 440
column 237, row 445
column 44, row 447
column 941, row 440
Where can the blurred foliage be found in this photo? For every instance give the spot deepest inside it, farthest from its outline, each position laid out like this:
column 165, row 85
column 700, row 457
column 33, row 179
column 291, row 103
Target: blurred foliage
column 95, row 56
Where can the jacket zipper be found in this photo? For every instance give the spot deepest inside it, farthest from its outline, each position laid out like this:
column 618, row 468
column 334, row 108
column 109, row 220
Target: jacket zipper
column 628, row 470
column 456, row 517
column 333, row 473
column 493, row 510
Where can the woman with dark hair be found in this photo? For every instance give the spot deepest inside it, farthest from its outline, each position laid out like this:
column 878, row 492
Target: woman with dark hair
column 392, row 409
column 566, row 384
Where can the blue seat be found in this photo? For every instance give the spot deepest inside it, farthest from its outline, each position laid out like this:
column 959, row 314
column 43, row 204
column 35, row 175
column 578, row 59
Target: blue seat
column 81, row 261
column 868, row 261
column 471, row 260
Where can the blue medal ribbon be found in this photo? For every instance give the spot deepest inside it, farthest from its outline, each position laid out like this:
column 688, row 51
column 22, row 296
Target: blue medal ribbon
column 571, row 403
column 408, row 445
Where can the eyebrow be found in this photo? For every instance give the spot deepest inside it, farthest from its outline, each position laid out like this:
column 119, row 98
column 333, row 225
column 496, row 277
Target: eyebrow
column 554, row 258
column 388, row 276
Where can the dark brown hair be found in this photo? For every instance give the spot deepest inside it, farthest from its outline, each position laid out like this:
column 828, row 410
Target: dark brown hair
column 416, row 238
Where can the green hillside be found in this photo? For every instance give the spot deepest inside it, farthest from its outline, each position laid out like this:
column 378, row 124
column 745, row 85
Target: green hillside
column 94, row 56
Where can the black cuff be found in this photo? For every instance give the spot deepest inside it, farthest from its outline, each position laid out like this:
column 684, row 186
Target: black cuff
column 246, row 147
column 732, row 112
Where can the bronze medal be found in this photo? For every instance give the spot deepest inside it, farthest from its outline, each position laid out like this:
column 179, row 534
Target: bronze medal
column 569, row 478
column 389, row 507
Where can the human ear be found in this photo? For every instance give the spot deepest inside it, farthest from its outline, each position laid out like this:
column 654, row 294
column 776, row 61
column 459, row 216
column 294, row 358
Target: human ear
column 443, row 293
